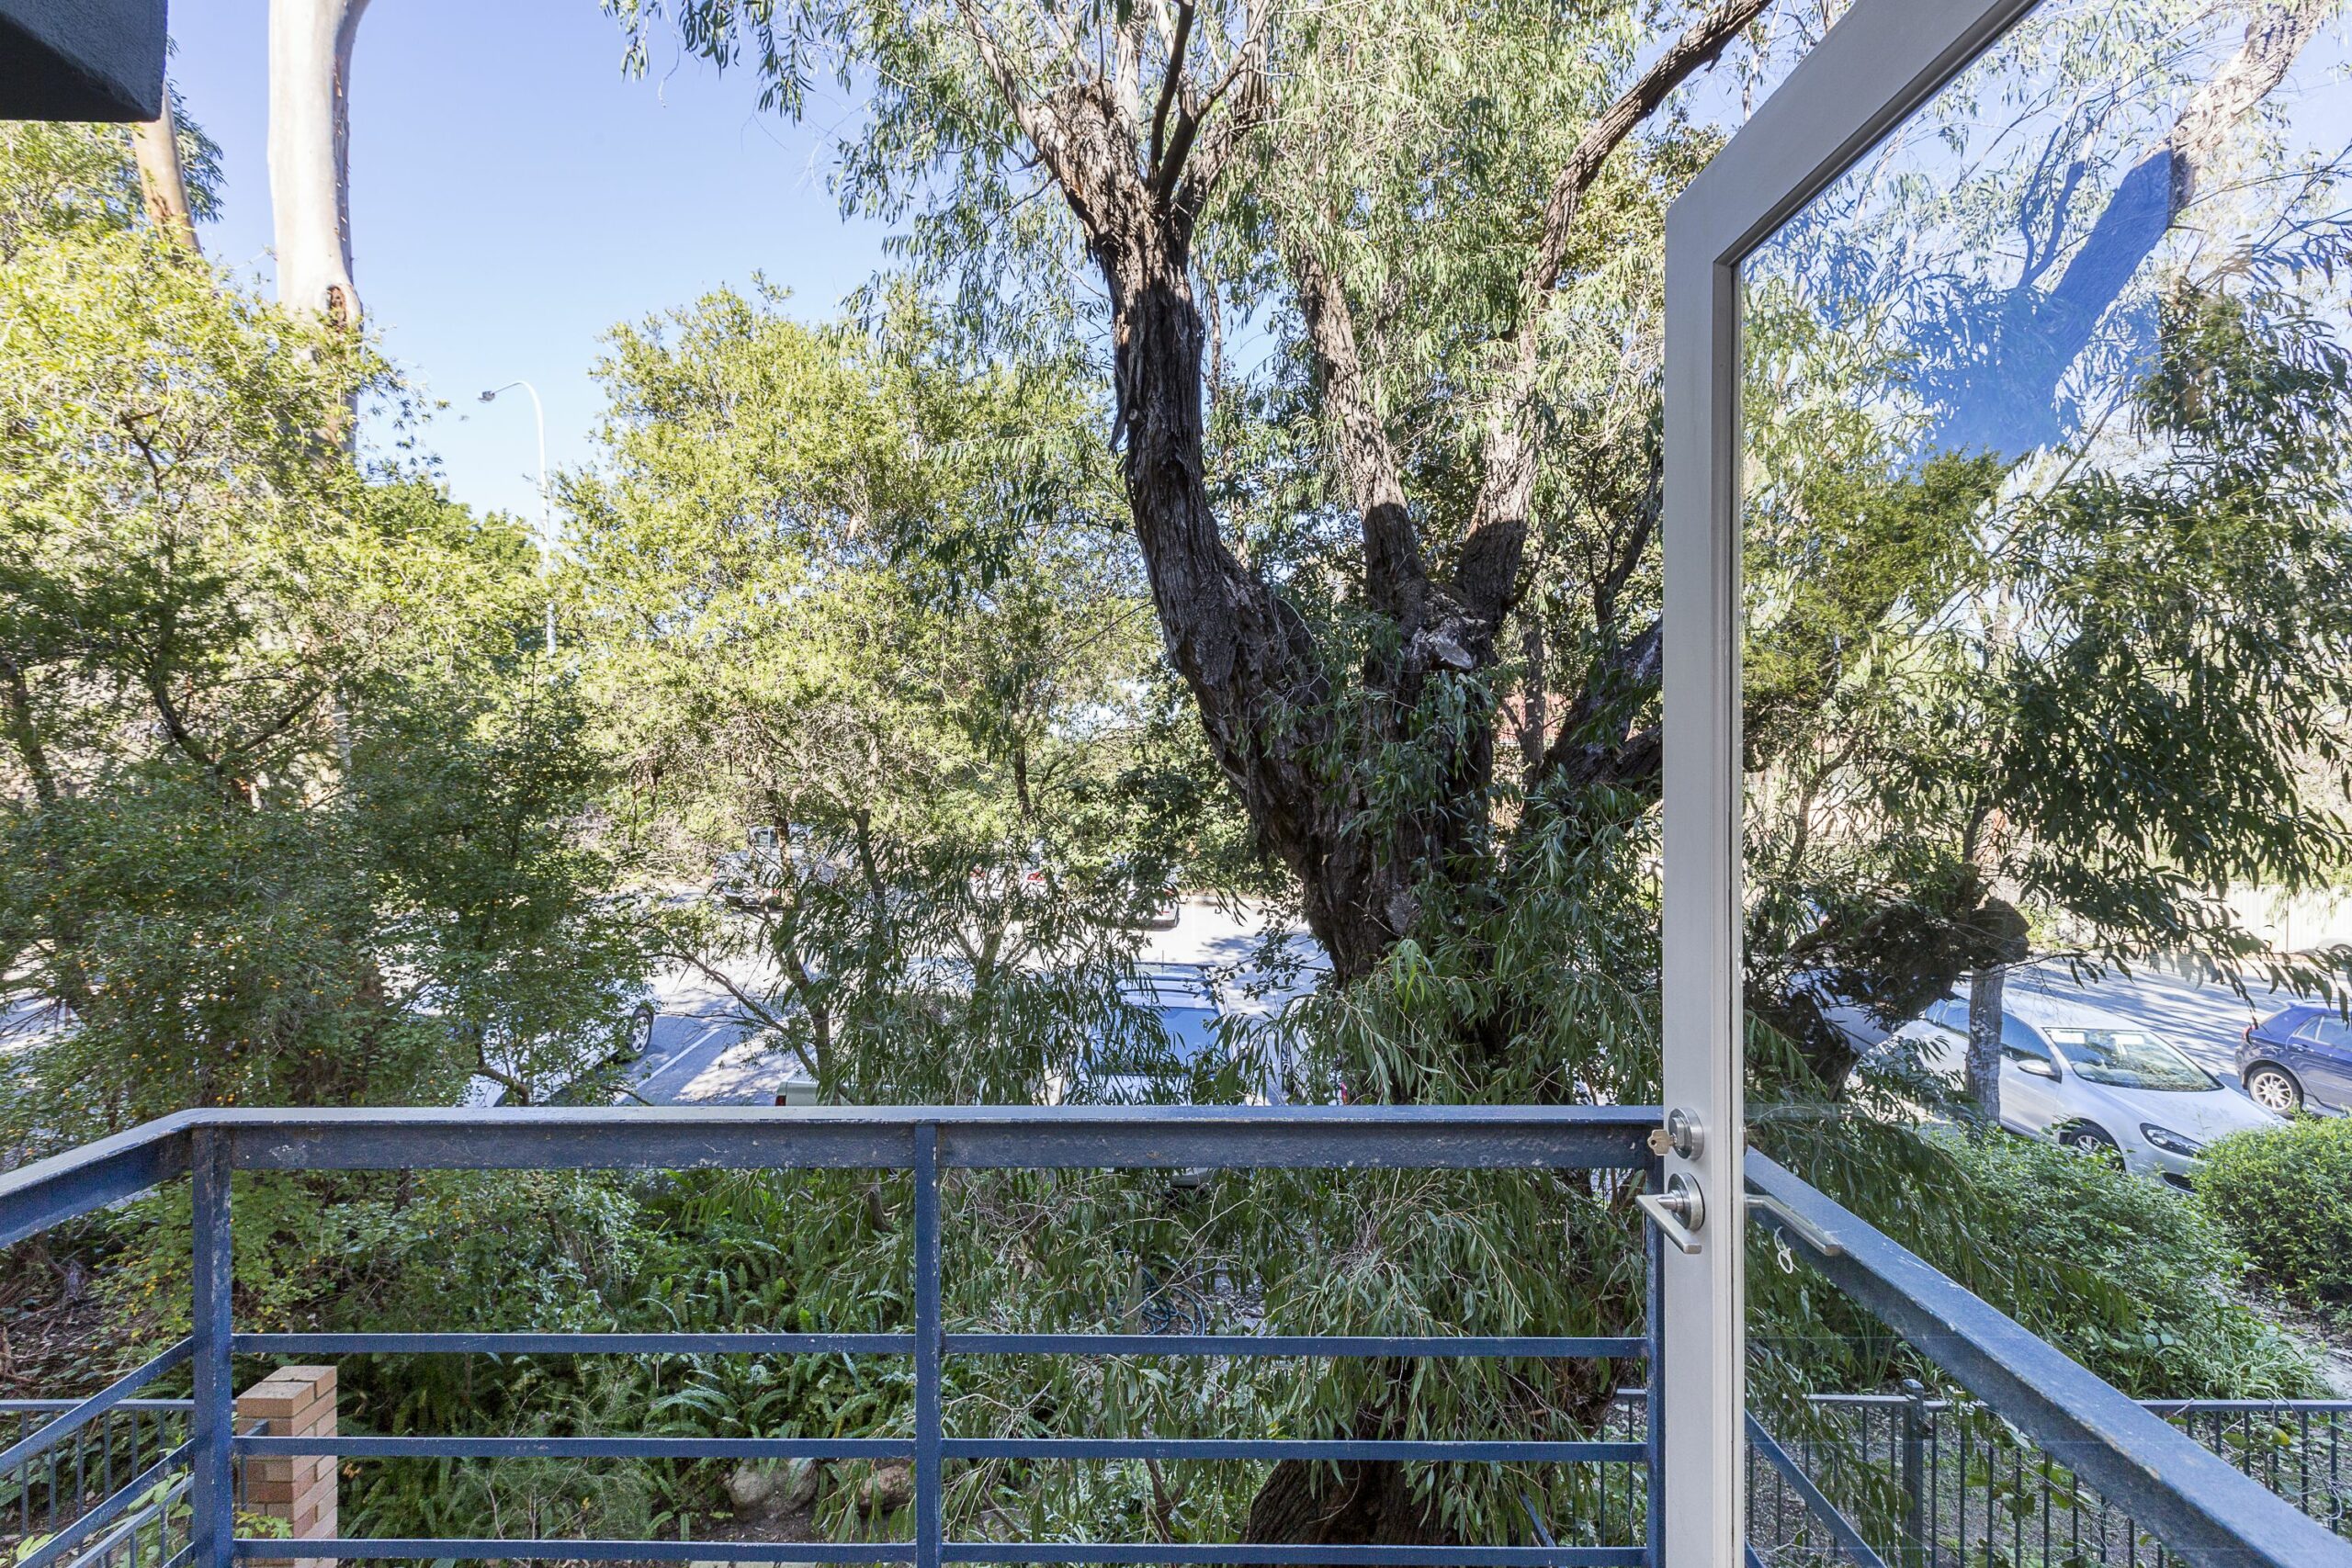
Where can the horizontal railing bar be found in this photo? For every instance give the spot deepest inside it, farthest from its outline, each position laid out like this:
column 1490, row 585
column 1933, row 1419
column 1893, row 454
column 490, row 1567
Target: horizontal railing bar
column 1335, row 1556
column 1260, row 1345
column 2161, row 1406
column 1176, row 1556
column 51, row 1192
column 2198, row 1406
column 1302, row 1345
column 2199, row 1505
column 1464, row 1450
column 1841, row 1528
column 54, row 1432
column 72, row 1535
column 27, row 1407
column 586, row 1551
column 1467, row 1450
column 343, row 1447
column 573, row 1343
column 1002, row 1137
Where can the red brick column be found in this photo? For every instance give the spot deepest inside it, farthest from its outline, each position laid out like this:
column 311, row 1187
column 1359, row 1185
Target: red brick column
column 296, row 1402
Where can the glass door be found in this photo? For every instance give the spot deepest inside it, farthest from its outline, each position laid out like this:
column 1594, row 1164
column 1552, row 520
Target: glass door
column 2008, row 601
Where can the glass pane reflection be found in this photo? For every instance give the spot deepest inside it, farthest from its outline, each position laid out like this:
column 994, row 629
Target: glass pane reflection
column 2047, row 503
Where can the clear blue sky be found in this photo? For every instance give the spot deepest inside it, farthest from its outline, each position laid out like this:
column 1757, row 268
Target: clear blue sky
column 513, row 196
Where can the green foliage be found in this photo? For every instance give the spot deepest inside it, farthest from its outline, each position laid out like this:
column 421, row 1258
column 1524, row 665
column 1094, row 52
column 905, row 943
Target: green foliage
column 217, row 955
column 2120, row 1272
column 2285, row 1196
column 854, row 589
column 285, row 815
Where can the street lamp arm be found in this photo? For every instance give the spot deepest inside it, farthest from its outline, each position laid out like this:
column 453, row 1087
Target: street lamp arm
column 546, row 509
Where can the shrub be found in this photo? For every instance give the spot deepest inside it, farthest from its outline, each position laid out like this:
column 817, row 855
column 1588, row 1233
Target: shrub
column 2285, row 1196
column 2124, row 1274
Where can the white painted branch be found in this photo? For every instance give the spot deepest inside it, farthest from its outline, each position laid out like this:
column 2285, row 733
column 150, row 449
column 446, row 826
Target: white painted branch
column 309, row 154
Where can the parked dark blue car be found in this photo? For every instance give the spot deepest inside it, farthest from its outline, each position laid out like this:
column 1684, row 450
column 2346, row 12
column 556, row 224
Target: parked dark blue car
column 2299, row 1057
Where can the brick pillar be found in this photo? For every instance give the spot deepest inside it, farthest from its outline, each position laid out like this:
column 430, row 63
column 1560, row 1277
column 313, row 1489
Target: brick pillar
column 295, row 1402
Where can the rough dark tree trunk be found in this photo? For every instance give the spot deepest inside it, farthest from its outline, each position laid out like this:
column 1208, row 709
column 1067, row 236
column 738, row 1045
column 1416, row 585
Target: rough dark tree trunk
column 1299, row 759
column 1355, row 1501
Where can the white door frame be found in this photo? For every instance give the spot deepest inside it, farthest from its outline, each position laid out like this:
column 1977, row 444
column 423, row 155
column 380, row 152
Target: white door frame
column 1879, row 64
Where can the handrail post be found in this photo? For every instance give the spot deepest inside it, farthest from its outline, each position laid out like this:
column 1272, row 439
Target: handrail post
column 211, row 1492
column 929, row 1342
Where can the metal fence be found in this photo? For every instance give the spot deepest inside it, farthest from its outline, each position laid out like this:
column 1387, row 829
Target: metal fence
column 1933, row 1483
column 1537, row 1140
column 2160, row 1478
column 48, row 1490
column 54, row 1487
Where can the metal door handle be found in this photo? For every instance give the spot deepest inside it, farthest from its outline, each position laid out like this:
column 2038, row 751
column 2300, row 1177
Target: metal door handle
column 1680, row 1213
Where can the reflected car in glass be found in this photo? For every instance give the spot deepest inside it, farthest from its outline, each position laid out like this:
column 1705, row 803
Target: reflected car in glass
column 2299, row 1058
column 2093, row 1082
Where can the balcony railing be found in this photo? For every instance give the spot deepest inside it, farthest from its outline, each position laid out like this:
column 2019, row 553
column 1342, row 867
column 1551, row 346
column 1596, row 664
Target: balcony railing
column 2200, row 1506
column 1956, row 1486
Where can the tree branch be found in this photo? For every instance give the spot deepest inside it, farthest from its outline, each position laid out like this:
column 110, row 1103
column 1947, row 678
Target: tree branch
column 1395, row 577
column 1487, row 574
column 1701, row 44
column 760, row 1012
column 1167, row 84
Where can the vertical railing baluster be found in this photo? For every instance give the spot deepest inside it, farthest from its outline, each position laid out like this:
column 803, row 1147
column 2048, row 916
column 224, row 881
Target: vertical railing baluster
column 212, row 1522
column 928, row 1344
column 1913, row 1462
column 1654, row 1320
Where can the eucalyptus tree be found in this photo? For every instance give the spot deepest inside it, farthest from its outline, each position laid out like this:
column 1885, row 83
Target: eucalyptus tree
column 280, row 820
column 309, row 154
column 1148, row 127
column 848, row 592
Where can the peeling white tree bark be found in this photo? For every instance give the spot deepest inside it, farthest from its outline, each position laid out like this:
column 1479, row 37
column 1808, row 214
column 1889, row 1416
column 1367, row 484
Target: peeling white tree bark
column 162, row 182
column 309, row 154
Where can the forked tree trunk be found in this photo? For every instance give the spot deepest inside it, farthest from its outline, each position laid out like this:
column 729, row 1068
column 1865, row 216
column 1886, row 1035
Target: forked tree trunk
column 163, row 181
column 309, row 154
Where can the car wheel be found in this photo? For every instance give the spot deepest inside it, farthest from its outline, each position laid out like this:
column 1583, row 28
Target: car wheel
column 2273, row 1088
column 641, row 1032
column 2092, row 1140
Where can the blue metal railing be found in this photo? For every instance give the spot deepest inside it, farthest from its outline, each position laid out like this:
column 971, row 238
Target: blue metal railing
column 48, row 1490
column 2198, row 1507
column 124, row 1460
column 1956, row 1485
column 923, row 1143
column 2177, row 1490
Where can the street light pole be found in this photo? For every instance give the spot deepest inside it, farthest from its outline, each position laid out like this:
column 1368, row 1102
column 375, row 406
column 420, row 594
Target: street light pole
column 546, row 514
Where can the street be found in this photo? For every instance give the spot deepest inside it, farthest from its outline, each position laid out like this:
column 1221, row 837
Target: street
column 705, row 1053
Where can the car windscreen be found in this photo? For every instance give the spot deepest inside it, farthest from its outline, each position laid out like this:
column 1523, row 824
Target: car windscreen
column 2128, row 1059
column 1191, row 1042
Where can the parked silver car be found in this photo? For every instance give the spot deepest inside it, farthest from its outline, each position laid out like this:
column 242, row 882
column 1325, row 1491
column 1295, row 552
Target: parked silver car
column 1172, row 1026
column 2093, row 1081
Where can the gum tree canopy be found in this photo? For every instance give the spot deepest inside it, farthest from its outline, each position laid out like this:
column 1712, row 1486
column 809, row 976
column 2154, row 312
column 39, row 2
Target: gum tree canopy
column 1302, row 154
column 1379, row 288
